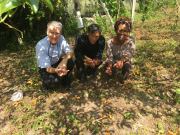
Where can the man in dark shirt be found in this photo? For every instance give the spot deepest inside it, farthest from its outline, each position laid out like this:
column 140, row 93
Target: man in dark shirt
column 90, row 44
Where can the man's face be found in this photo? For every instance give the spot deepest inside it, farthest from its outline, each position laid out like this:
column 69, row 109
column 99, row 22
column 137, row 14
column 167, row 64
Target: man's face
column 93, row 37
column 53, row 34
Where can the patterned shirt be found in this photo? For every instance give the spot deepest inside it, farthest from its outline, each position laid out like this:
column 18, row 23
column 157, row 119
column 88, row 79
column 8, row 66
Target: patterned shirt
column 116, row 52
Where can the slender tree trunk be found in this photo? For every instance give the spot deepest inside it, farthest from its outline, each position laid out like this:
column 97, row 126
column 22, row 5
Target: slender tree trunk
column 132, row 13
column 107, row 13
column 119, row 6
column 178, row 12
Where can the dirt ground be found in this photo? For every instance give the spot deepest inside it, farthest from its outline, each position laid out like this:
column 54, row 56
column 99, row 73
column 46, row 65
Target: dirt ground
column 99, row 107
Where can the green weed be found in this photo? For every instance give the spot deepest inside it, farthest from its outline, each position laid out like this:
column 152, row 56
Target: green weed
column 128, row 115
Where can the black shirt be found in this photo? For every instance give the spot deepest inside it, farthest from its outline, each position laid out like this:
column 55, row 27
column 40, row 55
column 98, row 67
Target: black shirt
column 84, row 47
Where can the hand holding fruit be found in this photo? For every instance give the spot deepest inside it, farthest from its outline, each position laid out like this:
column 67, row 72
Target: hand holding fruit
column 108, row 71
column 61, row 68
column 119, row 64
column 61, row 71
column 97, row 61
column 116, row 66
column 89, row 62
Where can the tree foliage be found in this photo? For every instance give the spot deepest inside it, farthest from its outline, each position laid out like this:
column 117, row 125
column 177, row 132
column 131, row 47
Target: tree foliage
column 6, row 6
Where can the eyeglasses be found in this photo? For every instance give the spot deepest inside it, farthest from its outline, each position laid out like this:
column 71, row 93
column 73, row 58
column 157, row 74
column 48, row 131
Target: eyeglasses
column 123, row 31
column 53, row 33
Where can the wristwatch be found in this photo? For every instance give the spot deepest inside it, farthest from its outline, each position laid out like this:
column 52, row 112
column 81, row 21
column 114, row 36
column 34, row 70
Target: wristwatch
column 67, row 58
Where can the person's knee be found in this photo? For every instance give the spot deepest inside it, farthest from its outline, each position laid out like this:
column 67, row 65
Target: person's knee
column 70, row 64
column 51, row 83
column 79, row 63
column 127, row 66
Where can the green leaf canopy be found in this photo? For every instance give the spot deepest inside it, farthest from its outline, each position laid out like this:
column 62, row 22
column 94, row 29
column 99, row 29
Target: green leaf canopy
column 33, row 4
column 7, row 5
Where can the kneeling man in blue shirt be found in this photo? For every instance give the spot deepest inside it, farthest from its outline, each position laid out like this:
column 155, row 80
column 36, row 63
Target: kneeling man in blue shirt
column 49, row 52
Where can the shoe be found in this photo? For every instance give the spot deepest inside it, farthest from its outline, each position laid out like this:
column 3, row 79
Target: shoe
column 93, row 76
column 69, row 88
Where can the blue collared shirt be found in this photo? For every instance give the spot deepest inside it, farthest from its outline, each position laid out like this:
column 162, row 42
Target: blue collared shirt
column 48, row 54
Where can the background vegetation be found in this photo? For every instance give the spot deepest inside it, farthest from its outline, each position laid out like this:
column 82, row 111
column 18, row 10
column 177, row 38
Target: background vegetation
column 33, row 25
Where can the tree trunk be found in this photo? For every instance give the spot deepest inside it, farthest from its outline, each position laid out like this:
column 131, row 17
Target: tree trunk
column 107, row 13
column 119, row 6
column 132, row 13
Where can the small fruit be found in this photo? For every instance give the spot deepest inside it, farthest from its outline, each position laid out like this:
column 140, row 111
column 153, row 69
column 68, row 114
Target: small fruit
column 108, row 71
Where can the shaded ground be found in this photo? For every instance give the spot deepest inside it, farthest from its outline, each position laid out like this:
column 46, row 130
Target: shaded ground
column 148, row 106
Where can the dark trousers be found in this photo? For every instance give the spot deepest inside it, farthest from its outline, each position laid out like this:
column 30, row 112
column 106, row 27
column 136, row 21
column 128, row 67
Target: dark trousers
column 126, row 69
column 51, row 80
column 81, row 68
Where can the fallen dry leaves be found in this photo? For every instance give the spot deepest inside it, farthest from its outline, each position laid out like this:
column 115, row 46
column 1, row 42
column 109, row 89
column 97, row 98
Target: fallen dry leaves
column 137, row 72
column 30, row 81
column 170, row 132
column 148, row 66
column 62, row 132
column 77, row 98
column 104, row 100
column 81, row 111
column 158, row 68
column 127, row 87
column 39, row 98
column 32, row 112
column 108, row 133
column 80, row 84
column 103, row 115
column 72, row 98
column 16, row 104
column 110, row 116
column 175, row 69
column 149, row 90
column 171, row 89
column 2, row 79
column 34, row 102
column 102, row 125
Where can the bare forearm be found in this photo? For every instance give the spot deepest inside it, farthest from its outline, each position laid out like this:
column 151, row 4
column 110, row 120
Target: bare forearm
column 110, row 63
column 69, row 55
column 50, row 70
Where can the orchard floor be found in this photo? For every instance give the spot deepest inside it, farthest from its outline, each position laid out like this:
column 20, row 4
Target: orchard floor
column 148, row 106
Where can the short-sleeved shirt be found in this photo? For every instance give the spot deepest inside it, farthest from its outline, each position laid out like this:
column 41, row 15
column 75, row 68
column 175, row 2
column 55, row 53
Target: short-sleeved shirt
column 116, row 52
column 83, row 47
column 48, row 54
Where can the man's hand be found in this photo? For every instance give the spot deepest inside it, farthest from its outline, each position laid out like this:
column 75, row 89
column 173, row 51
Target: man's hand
column 92, row 63
column 97, row 61
column 61, row 72
column 61, row 68
column 89, row 62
